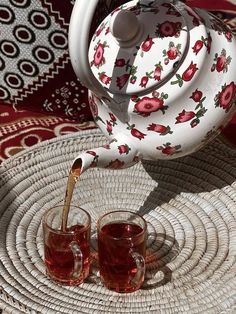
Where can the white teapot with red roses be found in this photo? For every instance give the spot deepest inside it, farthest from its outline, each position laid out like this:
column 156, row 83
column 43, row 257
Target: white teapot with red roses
column 161, row 79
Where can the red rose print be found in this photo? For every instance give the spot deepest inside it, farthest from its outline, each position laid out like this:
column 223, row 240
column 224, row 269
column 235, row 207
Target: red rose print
column 163, row 130
column 192, row 116
column 120, row 63
column 98, row 58
column 144, row 81
column 227, row 95
column 221, row 63
column 189, row 72
column 147, row 105
column 157, row 72
column 196, row 96
column 109, row 127
column 167, row 29
column 147, row 44
column 197, row 46
column 122, row 80
column 124, row 149
column 157, row 128
column 184, row 116
column 169, row 150
column 107, row 30
column 138, row 134
column 187, row 75
column 172, row 53
column 116, row 164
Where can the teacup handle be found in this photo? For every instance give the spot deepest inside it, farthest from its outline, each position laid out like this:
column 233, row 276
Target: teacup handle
column 78, row 258
column 140, row 263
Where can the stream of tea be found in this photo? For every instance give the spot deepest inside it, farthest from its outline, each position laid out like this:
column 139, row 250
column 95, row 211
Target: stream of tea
column 73, row 177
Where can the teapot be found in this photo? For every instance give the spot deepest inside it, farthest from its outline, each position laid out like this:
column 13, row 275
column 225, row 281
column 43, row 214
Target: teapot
column 161, row 79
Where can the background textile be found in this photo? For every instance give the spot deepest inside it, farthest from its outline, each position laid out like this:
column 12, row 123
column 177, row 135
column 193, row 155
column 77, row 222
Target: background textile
column 35, row 69
column 24, row 129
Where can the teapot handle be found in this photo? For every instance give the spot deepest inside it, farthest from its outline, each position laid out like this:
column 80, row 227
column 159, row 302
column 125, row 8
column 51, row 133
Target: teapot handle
column 79, row 28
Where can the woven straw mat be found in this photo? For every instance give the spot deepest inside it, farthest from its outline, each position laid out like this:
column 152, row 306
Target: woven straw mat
column 190, row 207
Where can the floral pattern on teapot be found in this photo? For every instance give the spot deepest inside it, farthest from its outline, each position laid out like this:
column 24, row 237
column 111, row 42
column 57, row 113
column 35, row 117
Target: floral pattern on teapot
column 173, row 90
column 221, row 62
column 193, row 116
column 144, row 106
column 226, row 97
column 127, row 69
column 154, row 105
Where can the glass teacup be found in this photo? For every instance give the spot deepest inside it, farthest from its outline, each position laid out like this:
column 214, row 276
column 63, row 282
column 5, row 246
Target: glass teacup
column 121, row 250
column 67, row 252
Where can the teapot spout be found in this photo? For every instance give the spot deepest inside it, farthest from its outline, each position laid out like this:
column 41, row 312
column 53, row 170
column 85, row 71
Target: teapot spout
column 118, row 154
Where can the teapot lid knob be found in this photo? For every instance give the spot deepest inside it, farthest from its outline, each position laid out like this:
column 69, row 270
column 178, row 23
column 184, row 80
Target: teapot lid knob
column 125, row 27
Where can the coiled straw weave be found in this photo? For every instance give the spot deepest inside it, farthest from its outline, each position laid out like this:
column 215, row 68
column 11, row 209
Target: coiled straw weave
column 189, row 204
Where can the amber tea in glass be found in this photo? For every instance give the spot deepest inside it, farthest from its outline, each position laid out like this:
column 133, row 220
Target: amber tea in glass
column 121, row 250
column 67, row 251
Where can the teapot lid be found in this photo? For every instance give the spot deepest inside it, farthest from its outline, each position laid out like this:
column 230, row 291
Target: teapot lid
column 139, row 48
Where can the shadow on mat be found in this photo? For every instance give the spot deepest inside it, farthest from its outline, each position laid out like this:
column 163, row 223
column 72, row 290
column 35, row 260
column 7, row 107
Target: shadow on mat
column 161, row 250
column 211, row 168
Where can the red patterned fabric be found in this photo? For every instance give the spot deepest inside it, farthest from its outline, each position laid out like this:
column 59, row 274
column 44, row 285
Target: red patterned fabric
column 24, row 129
column 35, row 69
column 213, row 5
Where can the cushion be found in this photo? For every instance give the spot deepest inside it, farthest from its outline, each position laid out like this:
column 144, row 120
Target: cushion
column 23, row 129
column 35, row 69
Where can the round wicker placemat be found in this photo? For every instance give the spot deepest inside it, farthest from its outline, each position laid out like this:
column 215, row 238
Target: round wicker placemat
column 189, row 204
